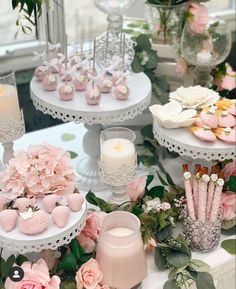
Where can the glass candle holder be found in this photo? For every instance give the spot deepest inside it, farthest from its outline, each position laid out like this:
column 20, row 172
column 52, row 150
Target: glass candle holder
column 11, row 118
column 205, row 47
column 202, row 236
column 118, row 160
column 120, row 251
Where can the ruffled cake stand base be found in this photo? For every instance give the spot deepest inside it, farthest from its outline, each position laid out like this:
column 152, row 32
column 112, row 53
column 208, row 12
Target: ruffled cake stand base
column 109, row 111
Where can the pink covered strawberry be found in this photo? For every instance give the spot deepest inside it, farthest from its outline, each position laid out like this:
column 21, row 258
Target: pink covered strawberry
column 3, row 201
column 60, row 216
column 22, row 204
column 8, row 219
column 33, row 221
column 75, row 201
column 50, row 202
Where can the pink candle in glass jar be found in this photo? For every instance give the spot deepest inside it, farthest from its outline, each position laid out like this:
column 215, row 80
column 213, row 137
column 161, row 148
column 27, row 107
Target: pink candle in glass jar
column 120, row 251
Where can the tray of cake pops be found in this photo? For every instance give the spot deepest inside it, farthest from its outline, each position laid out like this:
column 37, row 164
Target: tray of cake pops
column 27, row 218
column 197, row 117
column 78, row 74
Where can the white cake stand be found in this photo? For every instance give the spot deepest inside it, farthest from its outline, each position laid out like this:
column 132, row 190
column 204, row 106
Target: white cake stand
column 183, row 142
column 52, row 238
column 110, row 110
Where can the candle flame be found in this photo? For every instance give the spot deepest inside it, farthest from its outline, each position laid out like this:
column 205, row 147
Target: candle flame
column 1, row 90
column 118, row 146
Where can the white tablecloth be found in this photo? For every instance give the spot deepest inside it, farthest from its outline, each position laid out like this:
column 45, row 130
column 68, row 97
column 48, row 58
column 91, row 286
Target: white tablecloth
column 221, row 262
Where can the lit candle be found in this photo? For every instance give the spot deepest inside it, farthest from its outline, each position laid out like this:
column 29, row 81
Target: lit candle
column 204, row 56
column 9, row 105
column 117, row 152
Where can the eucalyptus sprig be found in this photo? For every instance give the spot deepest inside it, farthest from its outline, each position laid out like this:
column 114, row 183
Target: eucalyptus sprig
column 176, row 256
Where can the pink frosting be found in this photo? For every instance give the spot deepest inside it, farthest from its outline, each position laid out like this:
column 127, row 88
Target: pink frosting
column 40, row 72
column 228, row 137
column 227, row 121
column 60, row 216
column 205, row 135
column 92, row 96
column 80, row 85
column 210, row 120
column 34, row 225
column 120, row 92
column 50, row 82
column 75, row 202
column 66, row 94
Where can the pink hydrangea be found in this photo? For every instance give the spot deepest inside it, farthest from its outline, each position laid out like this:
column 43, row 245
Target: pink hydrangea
column 41, row 170
column 199, row 17
column 35, row 276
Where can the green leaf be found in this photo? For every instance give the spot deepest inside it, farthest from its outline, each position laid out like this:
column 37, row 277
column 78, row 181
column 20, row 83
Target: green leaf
column 228, row 224
column 155, row 192
column 159, row 259
column 147, row 220
column 136, row 65
column 147, row 131
column 164, row 234
column 10, row 261
column 229, row 245
column 103, row 205
column 3, row 268
column 73, row 155
column 136, row 211
column 152, row 62
column 177, row 259
column 229, row 232
column 143, row 42
column 76, row 249
column 199, row 266
column 68, row 285
column 149, row 180
column 169, row 180
column 171, row 284
column 232, row 184
column 164, row 183
column 15, row 3
column 20, row 260
column 204, row 281
column 128, row 31
column 68, row 137
column 68, row 263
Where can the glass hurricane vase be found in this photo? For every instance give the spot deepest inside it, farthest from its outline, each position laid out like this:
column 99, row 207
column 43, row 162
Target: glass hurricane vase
column 205, row 48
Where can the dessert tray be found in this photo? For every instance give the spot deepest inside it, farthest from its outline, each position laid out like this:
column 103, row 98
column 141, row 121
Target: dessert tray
column 52, row 238
column 183, row 142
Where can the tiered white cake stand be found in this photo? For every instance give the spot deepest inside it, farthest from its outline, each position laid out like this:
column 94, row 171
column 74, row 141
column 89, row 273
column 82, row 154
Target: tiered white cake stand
column 183, row 142
column 52, row 238
column 110, row 110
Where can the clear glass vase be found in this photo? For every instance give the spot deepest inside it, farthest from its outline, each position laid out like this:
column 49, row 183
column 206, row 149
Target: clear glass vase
column 166, row 22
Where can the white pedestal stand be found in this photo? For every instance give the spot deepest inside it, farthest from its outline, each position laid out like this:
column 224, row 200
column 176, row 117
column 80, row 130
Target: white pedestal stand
column 110, row 110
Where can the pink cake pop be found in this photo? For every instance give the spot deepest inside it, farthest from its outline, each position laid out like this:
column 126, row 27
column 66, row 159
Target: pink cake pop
column 105, row 84
column 50, row 82
column 40, row 72
column 67, row 91
column 116, row 75
column 122, row 90
column 75, row 60
column 55, row 65
column 80, row 82
column 65, row 72
column 92, row 95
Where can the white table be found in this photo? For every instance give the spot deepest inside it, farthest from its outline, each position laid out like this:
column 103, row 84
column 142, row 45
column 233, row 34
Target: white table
column 222, row 263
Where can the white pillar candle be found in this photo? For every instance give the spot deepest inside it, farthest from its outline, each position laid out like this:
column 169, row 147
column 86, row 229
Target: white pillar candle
column 120, row 232
column 204, row 56
column 9, row 104
column 117, row 152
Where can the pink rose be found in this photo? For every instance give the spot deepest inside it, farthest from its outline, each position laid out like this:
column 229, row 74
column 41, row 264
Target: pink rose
column 136, row 189
column 93, row 225
column 228, row 204
column 199, row 17
column 181, row 66
column 50, row 257
column 230, row 169
column 89, row 275
column 150, row 245
column 36, row 277
column 87, row 243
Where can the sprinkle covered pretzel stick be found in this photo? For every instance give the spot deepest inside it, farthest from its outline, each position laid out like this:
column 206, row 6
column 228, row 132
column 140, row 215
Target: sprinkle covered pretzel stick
column 217, row 197
column 202, row 194
column 188, row 191
column 211, row 189
column 196, row 178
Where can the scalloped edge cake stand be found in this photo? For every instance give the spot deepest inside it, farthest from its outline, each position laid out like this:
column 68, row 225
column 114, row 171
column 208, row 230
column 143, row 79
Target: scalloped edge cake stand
column 52, row 238
column 107, row 112
column 183, row 142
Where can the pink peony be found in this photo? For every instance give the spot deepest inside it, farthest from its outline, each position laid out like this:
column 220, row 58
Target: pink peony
column 43, row 169
column 87, row 243
column 89, row 275
column 181, row 66
column 136, row 189
column 50, row 257
column 227, row 81
column 93, row 225
column 36, row 277
column 228, row 204
column 230, row 169
column 199, row 17
column 150, row 245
